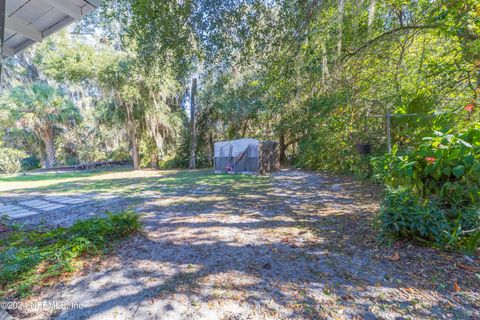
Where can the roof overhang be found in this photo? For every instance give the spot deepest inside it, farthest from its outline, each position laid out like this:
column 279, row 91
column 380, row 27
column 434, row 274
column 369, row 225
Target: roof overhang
column 30, row 21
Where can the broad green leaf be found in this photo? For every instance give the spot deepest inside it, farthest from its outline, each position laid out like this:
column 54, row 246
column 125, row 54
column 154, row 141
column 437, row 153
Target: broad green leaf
column 458, row 171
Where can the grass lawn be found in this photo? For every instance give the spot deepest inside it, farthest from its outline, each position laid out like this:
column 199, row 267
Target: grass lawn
column 121, row 181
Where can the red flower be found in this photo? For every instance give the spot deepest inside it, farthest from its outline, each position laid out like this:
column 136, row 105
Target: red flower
column 469, row 107
column 430, row 160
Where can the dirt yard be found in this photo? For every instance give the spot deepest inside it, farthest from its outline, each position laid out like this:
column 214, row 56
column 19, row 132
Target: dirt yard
column 294, row 245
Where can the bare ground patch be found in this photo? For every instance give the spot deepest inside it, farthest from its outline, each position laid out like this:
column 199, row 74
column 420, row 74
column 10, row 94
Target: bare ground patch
column 296, row 245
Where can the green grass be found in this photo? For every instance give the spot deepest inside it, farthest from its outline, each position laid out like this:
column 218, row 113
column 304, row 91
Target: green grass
column 32, row 258
column 45, row 176
column 131, row 183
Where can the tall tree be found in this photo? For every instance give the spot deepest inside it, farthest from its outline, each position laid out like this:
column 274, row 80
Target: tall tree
column 193, row 127
column 45, row 111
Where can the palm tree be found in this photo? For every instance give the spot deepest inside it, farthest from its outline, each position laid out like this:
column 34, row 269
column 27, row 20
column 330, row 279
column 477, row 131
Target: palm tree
column 44, row 110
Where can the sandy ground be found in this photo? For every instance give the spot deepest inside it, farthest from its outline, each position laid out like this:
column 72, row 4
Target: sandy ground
column 296, row 246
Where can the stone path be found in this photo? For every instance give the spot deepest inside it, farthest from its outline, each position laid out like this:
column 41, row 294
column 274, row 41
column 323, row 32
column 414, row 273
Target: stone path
column 298, row 246
column 16, row 209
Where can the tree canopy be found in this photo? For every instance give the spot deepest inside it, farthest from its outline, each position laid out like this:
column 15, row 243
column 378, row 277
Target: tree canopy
column 319, row 77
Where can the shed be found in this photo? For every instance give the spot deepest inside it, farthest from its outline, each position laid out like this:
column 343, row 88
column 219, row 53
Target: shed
column 245, row 156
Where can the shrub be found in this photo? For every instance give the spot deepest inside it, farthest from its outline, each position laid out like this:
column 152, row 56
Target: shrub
column 119, row 154
column 29, row 258
column 30, row 163
column 10, row 160
column 445, row 167
column 434, row 191
column 404, row 214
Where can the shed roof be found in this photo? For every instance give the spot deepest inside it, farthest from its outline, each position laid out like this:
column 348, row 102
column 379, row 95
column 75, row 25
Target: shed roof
column 29, row 21
column 234, row 148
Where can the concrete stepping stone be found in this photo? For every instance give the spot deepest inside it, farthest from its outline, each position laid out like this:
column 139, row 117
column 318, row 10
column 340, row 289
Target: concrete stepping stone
column 42, row 205
column 68, row 200
column 33, row 203
column 16, row 211
column 21, row 213
column 51, row 207
column 5, row 209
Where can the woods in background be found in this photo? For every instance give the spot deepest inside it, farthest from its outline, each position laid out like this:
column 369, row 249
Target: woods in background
column 316, row 76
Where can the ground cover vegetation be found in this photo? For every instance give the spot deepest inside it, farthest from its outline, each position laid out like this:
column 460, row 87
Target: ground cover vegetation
column 319, row 77
column 31, row 259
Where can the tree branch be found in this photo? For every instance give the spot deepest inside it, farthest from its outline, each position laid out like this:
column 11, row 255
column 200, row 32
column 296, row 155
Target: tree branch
column 383, row 35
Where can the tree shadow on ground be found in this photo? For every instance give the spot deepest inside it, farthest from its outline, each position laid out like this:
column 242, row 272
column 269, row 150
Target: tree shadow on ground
column 296, row 245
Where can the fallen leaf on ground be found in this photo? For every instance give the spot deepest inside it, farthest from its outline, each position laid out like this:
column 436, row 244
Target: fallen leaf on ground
column 445, row 256
column 410, row 290
column 395, row 257
column 468, row 268
column 456, row 287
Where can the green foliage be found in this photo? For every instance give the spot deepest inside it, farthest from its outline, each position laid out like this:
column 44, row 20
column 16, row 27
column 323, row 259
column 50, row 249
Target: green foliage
column 42, row 110
column 63, row 58
column 446, row 167
column 317, row 75
column 30, row 163
column 434, row 191
column 31, row 258
column 11, row 160
column 405, row 214
column 119, row 154
column 40, row 106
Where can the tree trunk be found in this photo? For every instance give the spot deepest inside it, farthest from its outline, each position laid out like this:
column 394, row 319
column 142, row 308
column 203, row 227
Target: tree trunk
column 371, row 16
column 132, row 134
column 135, row 155
column 47, row 137
column 325, row 72
column 341, row 9
column 244, row 129
column 211, row 144
column 282, row 148
column 193, row 142
column 154, row 160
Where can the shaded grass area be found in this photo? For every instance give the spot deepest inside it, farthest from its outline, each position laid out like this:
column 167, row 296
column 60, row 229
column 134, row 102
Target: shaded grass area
column 29, row 259
column 136, row 182
column 45, row 179
column 46, row 176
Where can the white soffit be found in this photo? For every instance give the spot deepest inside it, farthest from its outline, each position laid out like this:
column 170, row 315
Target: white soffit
column 29, row 21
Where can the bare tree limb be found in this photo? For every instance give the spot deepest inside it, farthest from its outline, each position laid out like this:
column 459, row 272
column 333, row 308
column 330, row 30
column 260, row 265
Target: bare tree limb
column 367, row 44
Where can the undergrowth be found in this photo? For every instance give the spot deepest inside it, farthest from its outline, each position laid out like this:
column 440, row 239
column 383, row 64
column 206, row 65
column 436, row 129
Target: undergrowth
column 32, row 258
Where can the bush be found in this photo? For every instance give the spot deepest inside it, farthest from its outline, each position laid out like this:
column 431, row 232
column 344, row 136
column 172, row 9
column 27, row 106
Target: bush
column 404, row 214
column 119, row 154
column 434, row 191
column 30, row 163
column 10, row 160
column 445, row 167
column 29, row 258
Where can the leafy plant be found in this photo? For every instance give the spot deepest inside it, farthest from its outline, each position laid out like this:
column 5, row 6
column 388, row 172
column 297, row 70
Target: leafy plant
column 434, row 191
column 10, row 160
column 31, row 258
column 30, row 163
column 445, row 166
column 405, row 214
